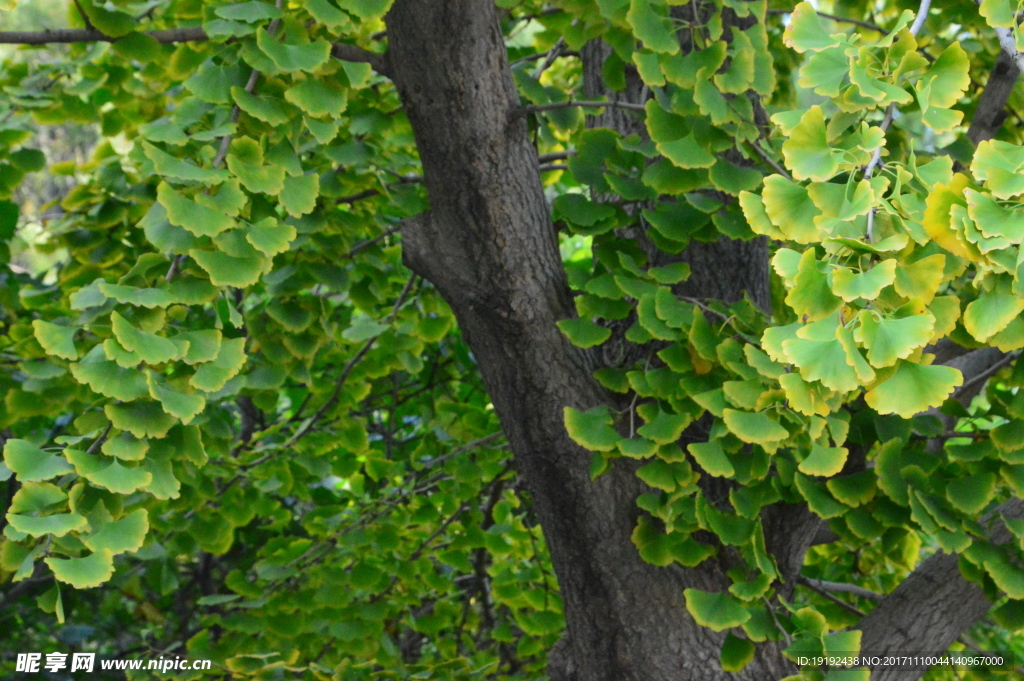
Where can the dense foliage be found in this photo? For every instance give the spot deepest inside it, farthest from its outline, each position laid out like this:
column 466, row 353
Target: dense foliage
column 236, row 427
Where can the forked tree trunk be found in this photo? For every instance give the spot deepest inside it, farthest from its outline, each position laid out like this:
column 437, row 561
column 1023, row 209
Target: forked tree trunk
column 489, row 247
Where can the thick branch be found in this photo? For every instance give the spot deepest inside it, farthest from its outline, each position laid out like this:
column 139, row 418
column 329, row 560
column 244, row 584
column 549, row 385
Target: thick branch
column 340, row 51
column 991, row 112
column 930, row 609
column 353, row 53
column 87, row 35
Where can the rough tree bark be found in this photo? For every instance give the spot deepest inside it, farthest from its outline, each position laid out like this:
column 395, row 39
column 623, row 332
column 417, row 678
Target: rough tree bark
column 489, row 247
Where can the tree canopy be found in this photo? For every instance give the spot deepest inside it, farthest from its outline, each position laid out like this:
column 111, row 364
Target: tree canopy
column 503, row 339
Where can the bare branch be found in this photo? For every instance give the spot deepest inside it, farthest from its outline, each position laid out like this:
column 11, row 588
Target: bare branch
column 842, row 20
column 536, row 108
column 991, row 112
column 353, row 53
column 86, row 35
column 932, row 607
column 842, row 587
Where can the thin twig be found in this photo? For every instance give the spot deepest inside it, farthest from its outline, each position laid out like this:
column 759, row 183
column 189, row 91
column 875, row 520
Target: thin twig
column 842, row 20
column 841, row 587
column 974, row 380
column 770, row 161
column 827, row 596
column 536, row 108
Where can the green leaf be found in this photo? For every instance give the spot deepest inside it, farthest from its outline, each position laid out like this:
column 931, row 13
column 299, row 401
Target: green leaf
column 591, row 429
column 107, row 378
column 299, row 194
column 327, row 14
column 664, row 428
column 291, row 58
column 251, row 12
column 755, row 428
column 824, row 461
column 126, row 447
column 270, row 110
column 717, row 611
column 107, row 472
column 108, row 22
column 142, row 418
column 212, row 376
column 180, row 169
column 991, row 313
column 368, row 9
column 711, row 457
column 245, row 161
column 579, row 210
column 56, row 340
column 126, row 534
column 853, row 490
column 32, row 464
column 152, row 348
column 890, row 340
column 659, row 474
column 805, row 32
column 737, row 653
column 811, row 296
column 686, row 152
column 807, row 152
column 583, row 332
column 973, row 493
column 652, row 25
column 58, row 524
column 83, row 573
column 790, row 209
column 225, row 270
column 141, row 297
column 184, row 406
column 198, row 219
column 270, row 236
column 913, row 388
column 867, row 285
column 203, row 345
column 920, row 279
column 318, row 98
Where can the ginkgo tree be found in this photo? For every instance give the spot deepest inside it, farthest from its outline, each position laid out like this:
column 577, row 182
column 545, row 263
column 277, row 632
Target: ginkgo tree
column 594, row 339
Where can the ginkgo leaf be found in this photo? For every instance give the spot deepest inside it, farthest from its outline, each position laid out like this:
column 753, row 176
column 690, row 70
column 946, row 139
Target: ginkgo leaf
column 56, row 340
column 811, row 297
column 824, row 461
column 125, row 534
column 583, row 332
column 58, row 524
column 212, row 376
column 270, row 110
column 990, row 313
column 225, row 270
column 318, row 98
column 920, row 279
column 270, row 236
column 126, row 447
column 141, row 418
column 290, row 58
column 973, row 493
column 754, row 427
column 850, row 285
column 107, row 472
column 32, row 464
column 913, row 388
column 805, row 32
column 299, row 194
column 591, row 429
column 180, row 169
column 888, row 340
column 791, row 209
column 711, row 457
column 198, row 219
column 245, row 161
column 994, row 219
column 152, row 348
column 141, row 297
column 108, row 378
column 83, row 573
column 807, row 151
column 717, row 611
column 184, row 406
column 652, row 26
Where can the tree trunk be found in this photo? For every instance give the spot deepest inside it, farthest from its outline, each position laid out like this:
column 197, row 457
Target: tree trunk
column 488, row 245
